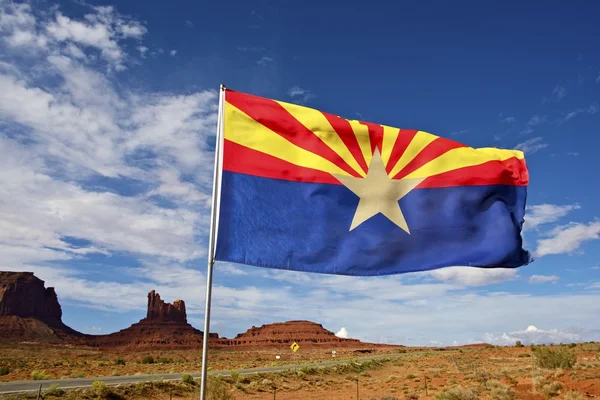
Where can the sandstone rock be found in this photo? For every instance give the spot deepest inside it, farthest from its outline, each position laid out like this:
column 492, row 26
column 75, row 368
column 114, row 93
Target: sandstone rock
column 158, row 310
column 30, row 311
column 24, row 295
column 305, row 333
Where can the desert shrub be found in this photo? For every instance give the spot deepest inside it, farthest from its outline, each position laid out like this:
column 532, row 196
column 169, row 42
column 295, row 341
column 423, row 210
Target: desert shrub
column 518, row 343
column 217, row 389
column 545, row 386
column 389, row 398
column 187, row 379
column 501, row 391
column 101, row 389
column 524, row 355
column 148, row 360
column 119, row 361
column 457, row 393
column 551, row 358
column 161, row 360
column 40, row 375
column 410, row 376
column 115, row 372
column 573, row 345
column 4, row 370
column 53, row 390
column 234, row 375
column 570, row 395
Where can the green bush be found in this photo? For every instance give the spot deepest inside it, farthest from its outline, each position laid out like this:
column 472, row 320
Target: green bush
column 53, row 390
column 148, row 360
column 552, row 358
column 187, row 379
column 40, row 375
column 101, row 389
column 119, row 361
column 518, row 343
column 457, row 393
column 501, row 391
column 217, row 389
column 4, row 371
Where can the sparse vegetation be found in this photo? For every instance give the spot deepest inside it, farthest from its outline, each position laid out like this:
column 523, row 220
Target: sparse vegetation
column 148, row 360
column 187, row 379
column 4, row 370
column 40, row 375
column 217, row 389
column 54, row 390
column 570, row 395
column 457, row 393
column 501, row 391
column 101, row 389
column 119, row 361
column 552, row 358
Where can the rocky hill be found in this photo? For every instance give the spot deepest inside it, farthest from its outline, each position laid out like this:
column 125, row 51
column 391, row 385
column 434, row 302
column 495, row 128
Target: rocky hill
column 30, row 311
column 305, row 333
column 165, row 326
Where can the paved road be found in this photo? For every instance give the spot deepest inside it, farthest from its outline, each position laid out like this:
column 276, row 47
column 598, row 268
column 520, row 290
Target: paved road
column 28, row 386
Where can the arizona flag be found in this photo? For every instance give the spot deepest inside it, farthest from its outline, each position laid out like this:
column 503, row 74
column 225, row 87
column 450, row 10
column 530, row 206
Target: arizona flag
column 304, row 190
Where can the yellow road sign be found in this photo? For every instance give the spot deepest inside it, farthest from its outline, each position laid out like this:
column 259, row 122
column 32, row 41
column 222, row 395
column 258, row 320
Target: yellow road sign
column 294, row 347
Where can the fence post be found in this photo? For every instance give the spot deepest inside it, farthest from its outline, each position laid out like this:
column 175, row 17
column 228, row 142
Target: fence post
column 274, row 392
column 39, row 395
column 357, row 398
column 426, row 394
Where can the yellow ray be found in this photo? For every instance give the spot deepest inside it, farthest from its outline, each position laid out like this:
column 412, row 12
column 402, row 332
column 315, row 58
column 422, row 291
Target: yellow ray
column 364, row 142
column 462, row 157
column 244, row 130
column 417, row 144
column 389, row 139
column 316, row 122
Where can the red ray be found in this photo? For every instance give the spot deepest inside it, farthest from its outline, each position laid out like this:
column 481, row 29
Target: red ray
column 508, row 172
column 346, row 133
column 273, row 116
column 402, row 141
column 375, row 134
column 433, row 150
column 237, row 158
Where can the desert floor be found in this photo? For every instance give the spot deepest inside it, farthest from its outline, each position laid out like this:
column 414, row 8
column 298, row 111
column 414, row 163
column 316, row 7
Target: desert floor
column 484, row 372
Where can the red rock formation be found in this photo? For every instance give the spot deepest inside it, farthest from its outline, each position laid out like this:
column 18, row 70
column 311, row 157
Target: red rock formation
column 305, row 333
column 158, row 310
column 165, row 326
column 30, row 311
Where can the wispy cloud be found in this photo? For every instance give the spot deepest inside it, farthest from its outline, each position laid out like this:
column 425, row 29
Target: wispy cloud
column 173, row 52
column 189, row 24
column 509, row 119
column 559, row 92
column 264, row 61
column 534, row 335
column 252, row 49
column 532, row 145
column 571, row 153
column 470, row 276
column 541, row 214
column 460, row 132
column 567, row 238
column 598, row 78
column 300, row 94
column 543, row 279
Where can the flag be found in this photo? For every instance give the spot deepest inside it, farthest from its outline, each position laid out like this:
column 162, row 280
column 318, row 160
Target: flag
column 305, row 190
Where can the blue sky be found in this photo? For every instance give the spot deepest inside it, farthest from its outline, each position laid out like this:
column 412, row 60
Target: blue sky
column 107, row 121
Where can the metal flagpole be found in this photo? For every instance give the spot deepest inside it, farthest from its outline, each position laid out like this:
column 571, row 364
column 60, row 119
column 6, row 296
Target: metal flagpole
column 211, row 242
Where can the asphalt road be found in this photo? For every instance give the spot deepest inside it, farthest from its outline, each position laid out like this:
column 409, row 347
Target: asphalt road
column 28, row 386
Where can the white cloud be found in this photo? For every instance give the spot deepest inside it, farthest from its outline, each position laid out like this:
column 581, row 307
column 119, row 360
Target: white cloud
column 173, row 52
column 342, row 333
column 471, row 276
column 264, row 61
column 543, row 279
column 509, row 119
column 533, row 335
column 143, row 50
column 300, row 94
column 559, row 92
column 572, row 153
column 567, row 238
column 540, row 214
column 532, row 145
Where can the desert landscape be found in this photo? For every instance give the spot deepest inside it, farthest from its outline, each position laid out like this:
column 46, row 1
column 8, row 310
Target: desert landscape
column 37, row 345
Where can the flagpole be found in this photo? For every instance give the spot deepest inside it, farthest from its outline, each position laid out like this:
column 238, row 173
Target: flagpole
column 212, row 242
